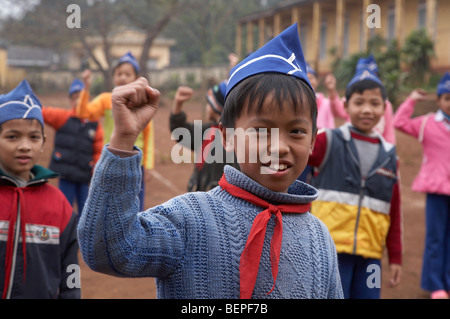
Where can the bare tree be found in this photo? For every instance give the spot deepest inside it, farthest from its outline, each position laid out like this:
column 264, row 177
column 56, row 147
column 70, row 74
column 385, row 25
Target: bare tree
column 151, row 16
column 45, row 26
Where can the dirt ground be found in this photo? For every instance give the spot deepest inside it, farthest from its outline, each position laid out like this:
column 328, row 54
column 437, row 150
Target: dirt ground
column 169, row 179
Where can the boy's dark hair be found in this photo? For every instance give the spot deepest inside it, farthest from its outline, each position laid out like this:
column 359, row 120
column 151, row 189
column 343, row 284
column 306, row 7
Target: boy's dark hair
column 361, row 86
column 256, row 88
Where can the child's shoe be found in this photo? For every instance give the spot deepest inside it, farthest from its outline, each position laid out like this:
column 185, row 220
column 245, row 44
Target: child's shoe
column 439, row 294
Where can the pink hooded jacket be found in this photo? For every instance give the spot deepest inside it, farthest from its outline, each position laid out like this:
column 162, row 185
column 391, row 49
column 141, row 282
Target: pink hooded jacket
column 433, row 131
column 325, row 117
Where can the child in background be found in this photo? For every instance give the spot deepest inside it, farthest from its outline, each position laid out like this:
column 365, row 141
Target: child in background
column 203, row 244
column 433, row 132
column 325, row 117
column 207, row 172
column 386, row 126
column 126, row 71
column 38, row 240
column 78, row 145
column 356, row 174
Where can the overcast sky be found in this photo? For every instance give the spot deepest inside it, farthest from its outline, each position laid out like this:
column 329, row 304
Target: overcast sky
column 13, row 8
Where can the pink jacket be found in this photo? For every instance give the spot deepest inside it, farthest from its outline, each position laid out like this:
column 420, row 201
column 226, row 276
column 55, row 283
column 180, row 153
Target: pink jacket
column 385, row 127
column 433, row 131
column 325, row 117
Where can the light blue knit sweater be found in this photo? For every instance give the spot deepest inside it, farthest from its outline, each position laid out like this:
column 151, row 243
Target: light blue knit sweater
column 192, row 243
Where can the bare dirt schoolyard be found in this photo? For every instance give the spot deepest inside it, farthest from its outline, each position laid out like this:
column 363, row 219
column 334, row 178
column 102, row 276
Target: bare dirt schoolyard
column 169, row 180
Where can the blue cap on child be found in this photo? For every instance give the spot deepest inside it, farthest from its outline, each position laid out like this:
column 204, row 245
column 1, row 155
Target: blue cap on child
column 364, row 74
column 367, row 63
column 20, row 103
column 129, row 58
column 309, row 69
column 76, row 87
column 283, row 54
column 444, row 85
column 216, row 96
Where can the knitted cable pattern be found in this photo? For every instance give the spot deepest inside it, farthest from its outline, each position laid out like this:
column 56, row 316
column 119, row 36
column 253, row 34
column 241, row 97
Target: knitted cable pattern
column 192, row 243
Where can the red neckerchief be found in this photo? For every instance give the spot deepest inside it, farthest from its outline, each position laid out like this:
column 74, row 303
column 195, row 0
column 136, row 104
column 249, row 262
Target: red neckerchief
column 206, row 145
column 366, row 138
column 251, row 255
column 18, row 198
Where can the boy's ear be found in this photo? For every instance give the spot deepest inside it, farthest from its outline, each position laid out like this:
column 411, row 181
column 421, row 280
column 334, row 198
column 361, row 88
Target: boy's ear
column 227, row 141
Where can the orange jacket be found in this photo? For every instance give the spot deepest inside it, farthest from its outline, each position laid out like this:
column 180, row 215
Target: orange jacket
column 101, row 106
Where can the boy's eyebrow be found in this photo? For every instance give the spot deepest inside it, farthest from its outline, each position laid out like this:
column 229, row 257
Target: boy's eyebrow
column 20, row 132
column 269, row 121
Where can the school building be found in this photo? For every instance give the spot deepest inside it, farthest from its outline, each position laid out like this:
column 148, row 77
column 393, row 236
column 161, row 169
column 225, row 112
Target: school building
column 50, row 70
column 120, row 43
column 346, row 26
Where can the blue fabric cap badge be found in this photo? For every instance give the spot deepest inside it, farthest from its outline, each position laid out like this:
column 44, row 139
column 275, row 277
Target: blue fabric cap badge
column 20, row 103
column 364, row 74
column 129, row 58
column 444, row 85
column 283, row 54
column 367, row 63
column 76, row 87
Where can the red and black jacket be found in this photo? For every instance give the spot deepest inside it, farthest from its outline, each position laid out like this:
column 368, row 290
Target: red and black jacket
column 42, row 265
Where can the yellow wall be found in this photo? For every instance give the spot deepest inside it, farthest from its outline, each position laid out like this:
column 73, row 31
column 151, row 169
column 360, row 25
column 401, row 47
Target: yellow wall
column 130, row 40
column 354, row 10
column 442, row 44
column 3, row 67
column 9, row 76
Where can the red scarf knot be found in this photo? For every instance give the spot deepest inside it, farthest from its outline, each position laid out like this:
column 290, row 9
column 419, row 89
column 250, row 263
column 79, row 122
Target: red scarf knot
column 251, row 255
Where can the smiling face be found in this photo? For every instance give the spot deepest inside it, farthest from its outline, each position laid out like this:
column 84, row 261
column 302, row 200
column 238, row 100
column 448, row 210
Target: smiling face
column 124, row 74
column 365, row 109
column 281, row 138
column 21, row 145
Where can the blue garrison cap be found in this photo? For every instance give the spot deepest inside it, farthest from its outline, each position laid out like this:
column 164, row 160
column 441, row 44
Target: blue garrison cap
column 364, row 74
column 309, row 69
column 216, row 96
column 367, row 63
column 129, row 58
column 76, row 86
column 444, row 85
column 20, row 103
column 283, row 54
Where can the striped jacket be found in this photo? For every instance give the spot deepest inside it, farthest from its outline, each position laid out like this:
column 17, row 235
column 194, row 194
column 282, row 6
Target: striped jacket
column 40, row 266
column 362, row 214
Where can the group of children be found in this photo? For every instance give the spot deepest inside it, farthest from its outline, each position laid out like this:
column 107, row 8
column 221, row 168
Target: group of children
column 241, row 233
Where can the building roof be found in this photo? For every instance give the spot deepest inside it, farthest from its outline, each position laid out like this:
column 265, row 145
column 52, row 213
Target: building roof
column 27, row 56
column 283, row 5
